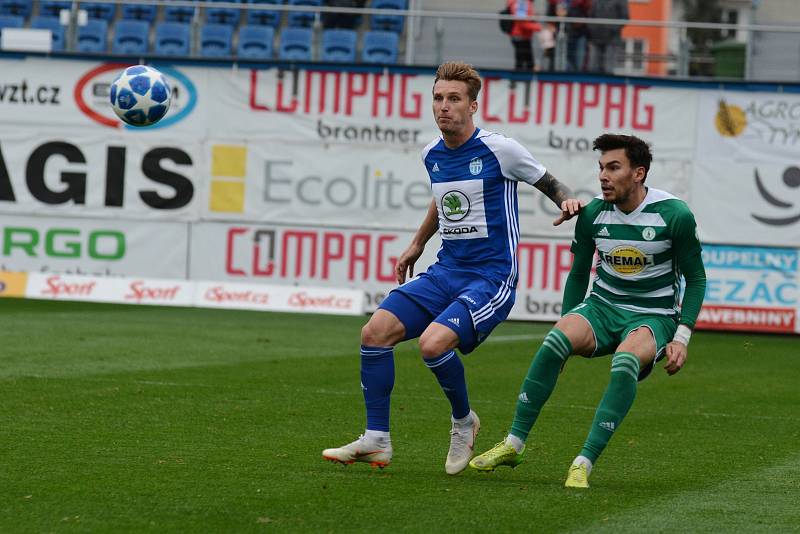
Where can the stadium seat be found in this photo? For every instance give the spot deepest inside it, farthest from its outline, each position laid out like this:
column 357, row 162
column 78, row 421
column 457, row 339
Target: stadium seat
column 139, row 12
column 347, row 21
column 380, row 47
column 392, row 23
column 338, row 46
column 178, row 13
column 21, row 8
column 223, row 15
column 54, row 25
column 255, row 42
column 215, row 40
column 99, row 10
column 302, row 19
column 131, row 37
column 264, row 17
column 172, row 39
column 53, row 8
column 93, row 37
column 295, row 44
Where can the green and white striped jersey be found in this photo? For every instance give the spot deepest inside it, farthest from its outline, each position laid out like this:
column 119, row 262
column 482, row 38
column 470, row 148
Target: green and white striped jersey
column 639, row 254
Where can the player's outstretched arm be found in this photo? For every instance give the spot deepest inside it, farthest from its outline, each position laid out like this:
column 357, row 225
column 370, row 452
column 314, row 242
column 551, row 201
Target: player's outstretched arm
column 560, row 195
column 406, row 261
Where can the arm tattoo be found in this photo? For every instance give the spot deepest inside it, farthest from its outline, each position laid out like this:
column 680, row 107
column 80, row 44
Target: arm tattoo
column 553, row 189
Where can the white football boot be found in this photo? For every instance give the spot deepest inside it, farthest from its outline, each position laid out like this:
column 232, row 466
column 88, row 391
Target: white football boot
column 377, row 453
column 462, row 444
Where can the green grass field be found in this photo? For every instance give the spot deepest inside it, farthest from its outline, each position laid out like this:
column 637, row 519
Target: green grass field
column 139, row 419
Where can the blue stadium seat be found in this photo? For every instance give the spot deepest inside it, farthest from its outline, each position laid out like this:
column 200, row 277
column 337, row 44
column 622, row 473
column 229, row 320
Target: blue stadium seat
column 172, row 39
column 223, row 15
column 255, row 42
column 380, row 47
column 54, row 25
column 93, row 37
column 139, row 12
column 295, row 44
column 21, row 8
column 99, row 10
column 53, row 8
column 131, row 37
column 11, row 21
column 338, row 46
column 215, row 40
column 264, row 17
column 392, row 23
column 178, row 13
column 302, row 19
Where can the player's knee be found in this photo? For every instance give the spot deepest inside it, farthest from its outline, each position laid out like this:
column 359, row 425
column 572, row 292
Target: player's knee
column 431, row 346
column 379, row 335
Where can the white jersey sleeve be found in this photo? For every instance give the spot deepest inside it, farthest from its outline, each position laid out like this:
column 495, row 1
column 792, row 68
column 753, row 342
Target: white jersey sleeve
column 516, row 163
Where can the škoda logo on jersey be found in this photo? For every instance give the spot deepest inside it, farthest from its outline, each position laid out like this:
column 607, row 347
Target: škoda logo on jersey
column 627, row 260
column 455, row 205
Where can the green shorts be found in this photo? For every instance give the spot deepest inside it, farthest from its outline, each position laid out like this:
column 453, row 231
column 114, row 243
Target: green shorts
column 611, row 325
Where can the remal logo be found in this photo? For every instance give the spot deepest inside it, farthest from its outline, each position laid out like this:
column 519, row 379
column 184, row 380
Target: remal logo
column 92, row 96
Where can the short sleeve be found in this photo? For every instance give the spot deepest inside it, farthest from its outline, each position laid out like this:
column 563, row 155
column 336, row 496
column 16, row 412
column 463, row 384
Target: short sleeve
column 516, row 163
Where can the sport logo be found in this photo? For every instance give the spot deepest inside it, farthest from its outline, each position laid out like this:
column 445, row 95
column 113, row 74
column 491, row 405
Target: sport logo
column 475, row 166
column 627, row 260
column 791, row 178
column 92, row 96
column 455, row 205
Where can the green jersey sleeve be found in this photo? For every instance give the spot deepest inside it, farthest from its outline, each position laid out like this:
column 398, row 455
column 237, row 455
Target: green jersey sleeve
column 582, row 249
column 688, row 254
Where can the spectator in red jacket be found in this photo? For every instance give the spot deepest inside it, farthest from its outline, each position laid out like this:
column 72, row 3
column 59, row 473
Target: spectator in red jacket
column 522, row 32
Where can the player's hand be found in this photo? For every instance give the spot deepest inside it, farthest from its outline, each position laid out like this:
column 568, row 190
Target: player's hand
column 676, row 357
column 569, row 209
column 405, row 263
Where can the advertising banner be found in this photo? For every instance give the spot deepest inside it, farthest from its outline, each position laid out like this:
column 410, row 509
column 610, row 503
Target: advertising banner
column 279, row 298
column 394, row 108
column 748, row 126
column 94, row 246
column 13, row 284
column 359, row 259
column 741, row 203
column 751, row 289
column 107, row 289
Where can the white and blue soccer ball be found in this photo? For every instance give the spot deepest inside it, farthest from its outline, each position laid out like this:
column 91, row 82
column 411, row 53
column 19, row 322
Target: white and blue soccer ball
column 140, row 95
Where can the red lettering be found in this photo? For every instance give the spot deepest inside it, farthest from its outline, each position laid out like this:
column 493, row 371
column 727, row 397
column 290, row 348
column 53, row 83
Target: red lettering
column 555, row 89
column 312, row 75
column 487, row 82
column 300, row 238
column 543, row 249
column 416, row 111
column 229, row 268
column 281, row 107
column 380, row 275
column 357, row 256
column 140, row 292
column 584, row 101
column 253, row 85
column 56, row 287
column 613, row 104
column 269, row 264
column 378, row 94
column 647, row 124
column 302, row 299
column 353, row 91
column 512, row 104
column 328, row 240
column 563, row 264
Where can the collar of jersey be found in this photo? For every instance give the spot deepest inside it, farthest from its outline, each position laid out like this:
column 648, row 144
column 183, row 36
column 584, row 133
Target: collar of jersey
column 462, row 145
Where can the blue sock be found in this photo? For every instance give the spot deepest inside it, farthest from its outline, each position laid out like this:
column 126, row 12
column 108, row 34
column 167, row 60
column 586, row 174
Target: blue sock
column 377, row 381
column 449, row 372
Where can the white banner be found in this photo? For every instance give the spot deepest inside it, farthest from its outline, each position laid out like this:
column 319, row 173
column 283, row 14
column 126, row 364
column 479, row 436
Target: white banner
column 748, row 126
column 108, row 289
column 94, row 246
column 747, row 203
column 752, row 289
column 279, row 298
column 69, row 173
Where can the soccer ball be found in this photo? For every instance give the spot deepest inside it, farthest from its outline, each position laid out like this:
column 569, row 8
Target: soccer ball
column 140, row 95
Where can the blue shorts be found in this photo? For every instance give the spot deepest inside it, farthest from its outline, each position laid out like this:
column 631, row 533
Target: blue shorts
column 467, row 303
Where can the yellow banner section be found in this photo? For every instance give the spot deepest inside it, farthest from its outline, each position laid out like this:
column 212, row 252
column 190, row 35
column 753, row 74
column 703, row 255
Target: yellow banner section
column 13, row 284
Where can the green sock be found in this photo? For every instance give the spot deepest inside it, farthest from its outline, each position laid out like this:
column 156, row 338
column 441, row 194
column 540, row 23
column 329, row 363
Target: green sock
column 616, row 402
column 540, row 381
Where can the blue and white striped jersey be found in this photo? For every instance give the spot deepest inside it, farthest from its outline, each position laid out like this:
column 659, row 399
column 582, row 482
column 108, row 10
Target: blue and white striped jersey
column 475, row 188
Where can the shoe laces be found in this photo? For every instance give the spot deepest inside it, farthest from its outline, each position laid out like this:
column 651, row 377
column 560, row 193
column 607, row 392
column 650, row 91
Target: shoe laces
column 499, row 450
column 460, row 436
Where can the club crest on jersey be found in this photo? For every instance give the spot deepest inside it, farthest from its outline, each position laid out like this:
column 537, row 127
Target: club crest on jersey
column 455, row 205
column 475, row 166
column 627, row 260
column 649, row 233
